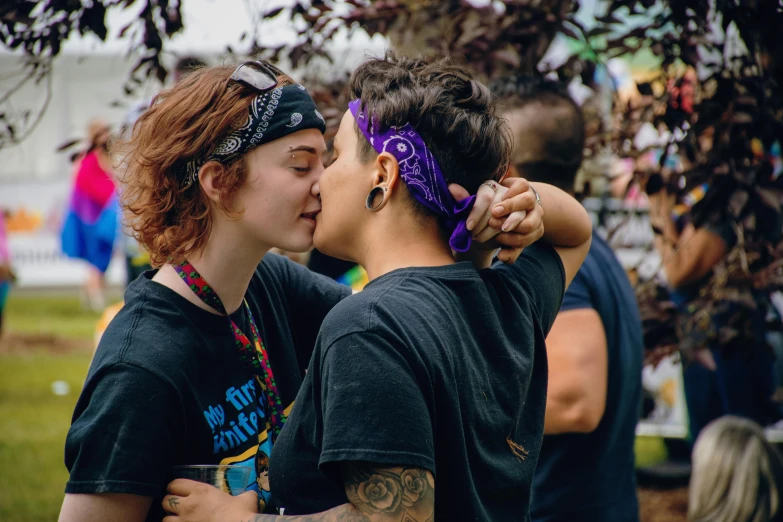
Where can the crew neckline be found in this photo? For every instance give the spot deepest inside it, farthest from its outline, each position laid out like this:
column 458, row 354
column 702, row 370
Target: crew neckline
column 458, row 270
column 203, row 319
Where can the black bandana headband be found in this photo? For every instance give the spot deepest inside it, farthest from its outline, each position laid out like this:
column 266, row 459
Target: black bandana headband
column 272, row 115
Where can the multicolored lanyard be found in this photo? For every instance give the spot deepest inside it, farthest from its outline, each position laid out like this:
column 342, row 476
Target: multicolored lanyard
column 256, row 359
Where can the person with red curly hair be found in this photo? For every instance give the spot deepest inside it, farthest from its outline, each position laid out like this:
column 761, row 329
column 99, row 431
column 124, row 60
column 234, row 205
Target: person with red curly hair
column 204, row 360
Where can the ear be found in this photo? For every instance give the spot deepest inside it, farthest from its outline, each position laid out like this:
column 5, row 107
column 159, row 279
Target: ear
column 387, row 171
column 207, row 178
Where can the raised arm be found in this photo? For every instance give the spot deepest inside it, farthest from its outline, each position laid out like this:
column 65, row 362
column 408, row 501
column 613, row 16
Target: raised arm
column 510, row 232
column 686, row 256
column 567, row 226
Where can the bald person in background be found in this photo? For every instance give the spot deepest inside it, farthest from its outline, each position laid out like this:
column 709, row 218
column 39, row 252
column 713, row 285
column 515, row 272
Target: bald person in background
column 595, row 348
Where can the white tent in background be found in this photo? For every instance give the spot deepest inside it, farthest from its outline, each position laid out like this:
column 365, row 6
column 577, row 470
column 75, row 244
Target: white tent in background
column 88, row 76
column 86, row 83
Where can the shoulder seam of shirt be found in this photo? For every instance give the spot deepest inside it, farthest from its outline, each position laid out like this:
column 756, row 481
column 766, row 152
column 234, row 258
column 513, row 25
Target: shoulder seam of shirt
column 138, row 366
column 131, row 482
column 326, row 350
column 562, row 272
column 559, row 261
column 374, row 302
column 532, row 301
column 365, row 452
column 136, row 317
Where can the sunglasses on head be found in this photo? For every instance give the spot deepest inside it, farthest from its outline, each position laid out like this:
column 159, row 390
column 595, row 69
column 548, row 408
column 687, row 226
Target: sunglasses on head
column 261, row 76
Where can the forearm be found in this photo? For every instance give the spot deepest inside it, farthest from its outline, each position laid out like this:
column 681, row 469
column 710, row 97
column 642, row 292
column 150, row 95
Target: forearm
column 385, row 494
column 344, row 513
column 666, row 238
column 688, row 257
column 104, row 506
column 415, row 485
column 566, row 222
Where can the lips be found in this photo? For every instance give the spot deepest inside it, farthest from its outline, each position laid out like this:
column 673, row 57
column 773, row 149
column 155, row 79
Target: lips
column 311, row 215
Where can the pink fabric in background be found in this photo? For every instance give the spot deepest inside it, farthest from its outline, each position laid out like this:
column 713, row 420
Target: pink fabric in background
column 92, row 181
column 5, row 254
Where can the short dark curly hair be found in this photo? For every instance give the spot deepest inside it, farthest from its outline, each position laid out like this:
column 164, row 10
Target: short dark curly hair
column 454, row 113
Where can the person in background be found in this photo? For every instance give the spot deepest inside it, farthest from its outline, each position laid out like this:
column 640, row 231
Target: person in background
column 733, row 376
column 6, row 273
column 737, row 474
column 91, row 224
column 329, row 266
column 595, row 348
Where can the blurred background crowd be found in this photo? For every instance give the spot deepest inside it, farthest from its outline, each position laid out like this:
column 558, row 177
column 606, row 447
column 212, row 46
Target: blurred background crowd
column 679, row 166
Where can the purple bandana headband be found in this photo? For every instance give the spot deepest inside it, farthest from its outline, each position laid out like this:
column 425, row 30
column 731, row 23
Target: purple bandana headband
column 421, row 174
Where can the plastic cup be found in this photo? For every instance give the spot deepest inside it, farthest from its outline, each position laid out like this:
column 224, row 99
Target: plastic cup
column 234, row 480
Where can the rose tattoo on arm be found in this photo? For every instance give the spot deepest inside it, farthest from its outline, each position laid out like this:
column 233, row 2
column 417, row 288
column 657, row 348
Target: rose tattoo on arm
column 376, row 493
column 407, row 492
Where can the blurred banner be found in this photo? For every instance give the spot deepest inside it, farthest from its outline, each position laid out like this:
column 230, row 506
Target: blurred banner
column 36, row 213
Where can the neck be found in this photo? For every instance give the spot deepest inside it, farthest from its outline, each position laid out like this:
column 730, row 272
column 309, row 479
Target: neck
column 225, row 262
column 394, row 243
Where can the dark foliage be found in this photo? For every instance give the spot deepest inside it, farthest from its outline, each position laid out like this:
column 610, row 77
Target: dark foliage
column 732, row 115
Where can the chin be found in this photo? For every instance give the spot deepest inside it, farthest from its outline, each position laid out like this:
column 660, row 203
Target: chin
column 329, row 247
column 297, row 243
column 320, row 242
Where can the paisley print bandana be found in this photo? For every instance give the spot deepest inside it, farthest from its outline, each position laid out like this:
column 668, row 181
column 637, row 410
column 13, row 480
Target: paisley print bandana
column 420, row 172
column 272, row 115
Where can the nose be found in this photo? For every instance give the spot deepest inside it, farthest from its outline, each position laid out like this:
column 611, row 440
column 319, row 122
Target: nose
column 315, row 189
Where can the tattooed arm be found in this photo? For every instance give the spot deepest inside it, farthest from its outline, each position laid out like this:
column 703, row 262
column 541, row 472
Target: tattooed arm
column 375, row 494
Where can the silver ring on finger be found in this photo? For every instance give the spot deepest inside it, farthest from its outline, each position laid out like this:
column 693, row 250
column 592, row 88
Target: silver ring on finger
column 492, row 185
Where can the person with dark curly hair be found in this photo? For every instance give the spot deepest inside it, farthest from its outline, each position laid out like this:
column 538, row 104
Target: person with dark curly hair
column 433, row 378
column 204, row 360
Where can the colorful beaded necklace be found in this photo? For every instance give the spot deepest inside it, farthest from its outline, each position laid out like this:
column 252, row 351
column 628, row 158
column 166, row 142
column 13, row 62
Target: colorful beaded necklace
column 253, row 355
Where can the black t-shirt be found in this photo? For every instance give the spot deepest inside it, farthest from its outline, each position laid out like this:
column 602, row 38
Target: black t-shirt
column 167, row 387
column 432, row 367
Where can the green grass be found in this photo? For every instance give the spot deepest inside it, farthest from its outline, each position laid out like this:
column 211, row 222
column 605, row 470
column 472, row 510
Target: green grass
column 33, row 425
column 61, row 316
column 34, row 421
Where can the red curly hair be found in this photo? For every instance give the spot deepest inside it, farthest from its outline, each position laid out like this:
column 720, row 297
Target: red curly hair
column 183, row 122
